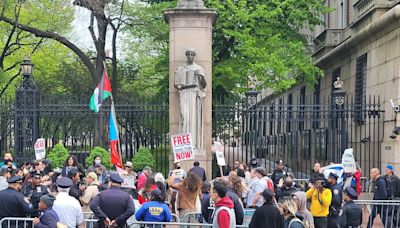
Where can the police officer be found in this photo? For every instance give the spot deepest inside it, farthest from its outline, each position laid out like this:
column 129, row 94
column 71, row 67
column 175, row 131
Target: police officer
column 113, row 206
column 336, row 202
column 13, row 203
column 278, row 173
column 351, row 214
column 34, row 191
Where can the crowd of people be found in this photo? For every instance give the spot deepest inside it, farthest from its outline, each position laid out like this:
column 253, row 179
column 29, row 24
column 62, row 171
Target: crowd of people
column 66, row 198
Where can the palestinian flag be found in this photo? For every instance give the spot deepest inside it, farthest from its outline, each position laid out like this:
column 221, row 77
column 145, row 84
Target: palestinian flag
column 114, row 139
column 102, row 91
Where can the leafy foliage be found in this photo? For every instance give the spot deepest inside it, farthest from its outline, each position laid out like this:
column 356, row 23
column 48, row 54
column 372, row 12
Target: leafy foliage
column 142, row 158
column 57, row 156
column 99, row 152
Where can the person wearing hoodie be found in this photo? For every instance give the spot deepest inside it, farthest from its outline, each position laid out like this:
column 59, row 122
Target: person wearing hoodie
column 301, row 200
column 49, row 217
column 380, row 193
column 224, row 215
column 267, row 213
column 288, row 209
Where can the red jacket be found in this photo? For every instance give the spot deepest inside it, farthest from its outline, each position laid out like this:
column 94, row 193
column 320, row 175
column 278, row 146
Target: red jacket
column 223, row 216
column 357, row 176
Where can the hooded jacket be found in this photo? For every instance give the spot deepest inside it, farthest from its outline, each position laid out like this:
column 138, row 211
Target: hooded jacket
column 303, row 211
column 224, row 218
column 320, row 202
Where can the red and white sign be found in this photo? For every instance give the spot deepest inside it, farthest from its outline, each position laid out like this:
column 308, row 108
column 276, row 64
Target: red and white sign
column 40, row 149
column 182, row 147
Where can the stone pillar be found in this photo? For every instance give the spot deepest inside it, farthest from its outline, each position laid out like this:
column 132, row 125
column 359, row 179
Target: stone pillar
column 190, row 26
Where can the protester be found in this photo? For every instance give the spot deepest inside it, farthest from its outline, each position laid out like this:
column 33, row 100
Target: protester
column 12, row 201
column 49, row 217
column 336, row 202
column 288, row 209
column 254, row 198
column 70, row 163
column 206, row 203
column 67, row 207
column 199, row 171
column 380, row 193
column 351, row 215
column 189, row 192
column 320, row 201
column 315, row 174
column 247, row 177
column 102, row 170
column 76, row 189
column 90, row 192
column 179, row 174
column 129, row 176
column 224, row 215
column 393, row 183
column 356, row 180
column 279, row 172
column 34, row 191
column 286, row 186
column 8, row 161
column 267, row 213
column 155, row 210
column 253, row 163
column 144, row 193
column 4, row 175
column 300, row 199
column 233, row 192
column 143, row 177
column 236, row 165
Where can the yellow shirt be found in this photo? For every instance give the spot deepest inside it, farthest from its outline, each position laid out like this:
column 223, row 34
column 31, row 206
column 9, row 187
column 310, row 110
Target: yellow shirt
column 320, row 202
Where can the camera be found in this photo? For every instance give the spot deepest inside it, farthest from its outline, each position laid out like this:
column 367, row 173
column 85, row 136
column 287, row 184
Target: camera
column 395, row 133
column 395, row 107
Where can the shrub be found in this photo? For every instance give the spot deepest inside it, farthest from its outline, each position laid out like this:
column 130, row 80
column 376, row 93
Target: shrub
column 143, row 158
column 102, row 153
column 57, row 156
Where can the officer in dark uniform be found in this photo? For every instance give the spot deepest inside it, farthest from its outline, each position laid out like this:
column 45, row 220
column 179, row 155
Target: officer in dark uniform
column 278, row 173
column 336, row 202
column 12, row 202
column 113, row 206
column 34, row 191
column 351, row 214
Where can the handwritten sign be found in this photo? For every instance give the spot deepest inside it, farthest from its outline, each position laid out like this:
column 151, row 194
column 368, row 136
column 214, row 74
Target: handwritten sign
column 40, row 149
column 219, row 153
column 182, row 147
column 348, row 162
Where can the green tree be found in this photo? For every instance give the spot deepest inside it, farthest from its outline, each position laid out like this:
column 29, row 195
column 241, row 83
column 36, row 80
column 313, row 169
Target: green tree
column 142, row 158
column 58, row 155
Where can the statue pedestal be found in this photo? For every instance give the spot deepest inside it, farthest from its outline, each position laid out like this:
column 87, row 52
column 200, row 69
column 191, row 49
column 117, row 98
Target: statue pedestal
column 191, row 27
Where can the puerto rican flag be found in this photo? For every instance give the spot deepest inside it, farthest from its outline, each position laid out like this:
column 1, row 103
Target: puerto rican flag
column 114, row 139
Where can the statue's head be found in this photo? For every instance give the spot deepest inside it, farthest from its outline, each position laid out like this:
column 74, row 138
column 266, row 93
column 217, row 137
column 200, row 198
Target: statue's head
column 190, row 54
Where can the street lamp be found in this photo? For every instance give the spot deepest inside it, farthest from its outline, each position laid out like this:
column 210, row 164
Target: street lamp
column 26, row 67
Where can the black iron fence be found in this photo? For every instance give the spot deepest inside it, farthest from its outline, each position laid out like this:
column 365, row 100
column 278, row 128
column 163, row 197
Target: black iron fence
column 298, row 133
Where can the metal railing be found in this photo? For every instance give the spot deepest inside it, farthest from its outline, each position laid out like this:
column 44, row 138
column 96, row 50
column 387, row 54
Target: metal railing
column 380, row 213
column 11, row 222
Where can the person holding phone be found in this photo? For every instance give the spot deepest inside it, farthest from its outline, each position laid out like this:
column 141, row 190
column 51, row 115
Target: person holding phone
column 320, row 201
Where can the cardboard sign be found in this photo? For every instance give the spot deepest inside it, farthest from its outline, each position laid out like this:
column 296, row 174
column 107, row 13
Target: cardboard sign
column 40, row 149
column 219, row 152
column 348, row 162
column 182, row 147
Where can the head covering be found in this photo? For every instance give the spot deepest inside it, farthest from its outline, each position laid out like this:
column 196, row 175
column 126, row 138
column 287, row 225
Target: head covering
column 92, row 175
column 48, row 200
column 279, row 162
column 115, row 178
column 351, row 192
column 268, row 194
column 333, row 175
column 389, row 167
column 15, row 179
column 302, row 200
column 128, row 164
column 4, row 169
column 36, row 174
column 147, row 168
column 157, row 194
column 64, row 182
column 253, row 158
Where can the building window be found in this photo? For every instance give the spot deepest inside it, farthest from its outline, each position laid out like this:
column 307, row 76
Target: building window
column 360, row 87
column 342, row 22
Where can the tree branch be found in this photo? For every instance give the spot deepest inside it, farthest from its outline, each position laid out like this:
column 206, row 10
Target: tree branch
column 51, row 35
column 9, row 82
column 91, row 30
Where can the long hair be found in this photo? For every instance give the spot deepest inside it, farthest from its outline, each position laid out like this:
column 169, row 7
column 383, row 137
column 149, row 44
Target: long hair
column 289, row 206
column 192, row 181
column 236, row 184
column 73, row 158
column 149, row 182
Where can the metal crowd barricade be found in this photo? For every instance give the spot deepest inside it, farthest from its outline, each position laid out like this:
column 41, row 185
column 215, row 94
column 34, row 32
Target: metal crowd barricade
column 380, row 213
column 11, row 222
column 248, row 214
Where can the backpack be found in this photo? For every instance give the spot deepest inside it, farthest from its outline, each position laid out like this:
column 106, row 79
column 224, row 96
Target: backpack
column 295, row 219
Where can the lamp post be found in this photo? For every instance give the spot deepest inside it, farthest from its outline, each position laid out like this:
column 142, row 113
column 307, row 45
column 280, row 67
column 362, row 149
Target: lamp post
column 251, row 115
column 338, row 119
column 26, row 67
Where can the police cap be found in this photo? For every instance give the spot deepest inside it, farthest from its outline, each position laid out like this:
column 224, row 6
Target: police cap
column 64, row 182
column 116, row 178
column 350, row 192
column 333, row 175
column 15, row 179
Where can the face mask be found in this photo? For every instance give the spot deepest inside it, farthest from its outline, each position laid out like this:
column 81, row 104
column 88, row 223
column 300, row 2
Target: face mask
column 97, row 162
column 254, row 162
column 178, row 167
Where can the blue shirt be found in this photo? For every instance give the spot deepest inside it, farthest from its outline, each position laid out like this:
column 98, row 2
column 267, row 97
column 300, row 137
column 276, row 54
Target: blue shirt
column 153, row 211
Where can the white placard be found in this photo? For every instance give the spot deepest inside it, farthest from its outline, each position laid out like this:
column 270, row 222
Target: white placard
column 219, row 152
column 40, row 149
column 348, row 162
column 182, row 147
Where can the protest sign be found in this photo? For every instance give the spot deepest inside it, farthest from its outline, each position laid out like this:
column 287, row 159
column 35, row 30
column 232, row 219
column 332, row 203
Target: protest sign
column 40, row 149
column 348, row 162
column 219, row 153
column 182, row 147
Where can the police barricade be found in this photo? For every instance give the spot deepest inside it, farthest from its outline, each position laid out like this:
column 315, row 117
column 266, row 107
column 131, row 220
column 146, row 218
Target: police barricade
column 12, row 222
column 248, row 214
column 380, row 213
column 175, row 224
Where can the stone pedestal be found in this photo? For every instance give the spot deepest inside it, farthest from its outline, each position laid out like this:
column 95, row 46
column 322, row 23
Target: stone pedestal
column 190, row 25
